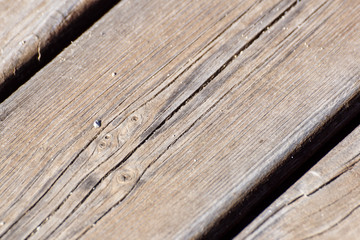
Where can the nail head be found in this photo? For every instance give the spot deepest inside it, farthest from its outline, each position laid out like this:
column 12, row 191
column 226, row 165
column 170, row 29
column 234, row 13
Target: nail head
column 97, row 123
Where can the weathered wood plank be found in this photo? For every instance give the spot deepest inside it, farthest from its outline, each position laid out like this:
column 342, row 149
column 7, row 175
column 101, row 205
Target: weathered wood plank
column 323, row 204
column 28, row 28
column 244, row 124
column 193, row 121
column 55, row 124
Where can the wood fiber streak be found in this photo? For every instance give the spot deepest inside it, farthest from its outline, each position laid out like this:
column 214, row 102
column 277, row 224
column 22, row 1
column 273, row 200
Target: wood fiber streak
column 29, row 27
column 200, row 101
column 323, row 204
column 132, row 69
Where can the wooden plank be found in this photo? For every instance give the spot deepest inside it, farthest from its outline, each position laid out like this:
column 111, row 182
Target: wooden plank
column 193, row 120
column 29, row 28
column 249, row 120
column 323, row 204
column 70, row 95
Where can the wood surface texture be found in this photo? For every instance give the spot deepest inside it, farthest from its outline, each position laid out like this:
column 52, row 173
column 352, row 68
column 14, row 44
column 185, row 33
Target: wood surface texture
column 28, row 27
column 200, row 102
column 323, row 204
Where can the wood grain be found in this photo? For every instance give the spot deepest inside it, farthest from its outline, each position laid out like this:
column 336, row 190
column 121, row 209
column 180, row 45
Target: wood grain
column 323, row 204
column 78, row 87
column 242, row 126
column 28, row 28
column 199, row 101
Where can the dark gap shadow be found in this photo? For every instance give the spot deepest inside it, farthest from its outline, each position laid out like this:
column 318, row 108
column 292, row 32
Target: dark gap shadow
column 72, row 32
column 266, row 192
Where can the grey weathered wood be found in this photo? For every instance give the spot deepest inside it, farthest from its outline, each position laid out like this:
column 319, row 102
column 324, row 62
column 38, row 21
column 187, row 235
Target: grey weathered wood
column 244, row 124
column 199, row 103
column 28, row 27
column 148, row 47
column 323, row 204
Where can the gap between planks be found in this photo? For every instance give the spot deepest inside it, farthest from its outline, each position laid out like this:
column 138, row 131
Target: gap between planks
column 322, row 204
column 34, row 32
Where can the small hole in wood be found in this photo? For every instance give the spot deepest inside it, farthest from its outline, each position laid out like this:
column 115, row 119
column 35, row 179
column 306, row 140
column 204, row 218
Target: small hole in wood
column 124, row 177
column 134, row 118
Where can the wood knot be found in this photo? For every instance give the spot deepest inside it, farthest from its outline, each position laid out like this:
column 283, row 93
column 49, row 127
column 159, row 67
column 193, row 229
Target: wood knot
column 125, row 176
column 108, row 136
column 134, row 118
column 102, row 145
column 105, row 142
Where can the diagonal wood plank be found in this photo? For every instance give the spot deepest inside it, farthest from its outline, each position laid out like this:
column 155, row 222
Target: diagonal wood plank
column 30, row 28
column 130, row 67
column 323, row 204
column 246, row 123
column 183, row 140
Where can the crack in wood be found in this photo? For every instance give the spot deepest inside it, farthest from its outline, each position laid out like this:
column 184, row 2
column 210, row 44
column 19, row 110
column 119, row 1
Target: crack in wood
column 37, row 201
column 335, row 224
column 343, row 171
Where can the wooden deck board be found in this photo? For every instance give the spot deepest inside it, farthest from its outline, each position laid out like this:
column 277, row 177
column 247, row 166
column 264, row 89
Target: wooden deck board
column 197, row 110
column 235, row 132
column 30, row 28
column 323, row 204
column 99, row 94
